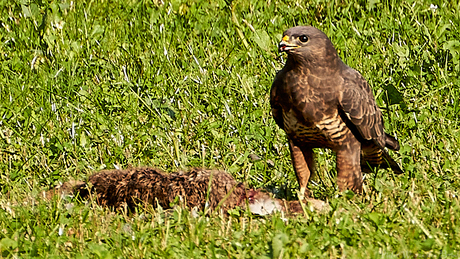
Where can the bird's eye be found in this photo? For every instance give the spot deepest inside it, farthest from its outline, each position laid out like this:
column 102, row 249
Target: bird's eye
column 303, row 38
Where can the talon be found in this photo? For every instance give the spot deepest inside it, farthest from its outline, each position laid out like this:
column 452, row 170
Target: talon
column 302, row 193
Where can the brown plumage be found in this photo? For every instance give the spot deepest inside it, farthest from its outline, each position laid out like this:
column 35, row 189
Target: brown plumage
column 130, row 187
column 322, row 103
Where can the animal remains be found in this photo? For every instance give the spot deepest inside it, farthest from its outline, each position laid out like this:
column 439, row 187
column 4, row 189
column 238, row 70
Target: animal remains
column 197, row 188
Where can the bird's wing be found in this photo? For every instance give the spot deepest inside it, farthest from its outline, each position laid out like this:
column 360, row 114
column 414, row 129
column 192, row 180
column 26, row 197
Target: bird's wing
column 358, row 104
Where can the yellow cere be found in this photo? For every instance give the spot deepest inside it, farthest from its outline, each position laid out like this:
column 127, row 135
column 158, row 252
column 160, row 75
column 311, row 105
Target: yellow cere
column 285, row 38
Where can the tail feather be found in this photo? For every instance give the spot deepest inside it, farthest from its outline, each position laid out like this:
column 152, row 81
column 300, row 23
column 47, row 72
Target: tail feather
column 374, row 156
column 391, row 142
column 392, row 163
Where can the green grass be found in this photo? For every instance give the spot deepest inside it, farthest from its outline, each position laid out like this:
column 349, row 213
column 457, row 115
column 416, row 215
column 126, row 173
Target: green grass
column 87, row 85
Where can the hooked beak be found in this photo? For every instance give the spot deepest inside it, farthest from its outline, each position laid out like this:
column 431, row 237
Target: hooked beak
column 285, row 46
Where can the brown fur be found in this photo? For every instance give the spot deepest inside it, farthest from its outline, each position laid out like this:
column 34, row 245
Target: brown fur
column 117, row 188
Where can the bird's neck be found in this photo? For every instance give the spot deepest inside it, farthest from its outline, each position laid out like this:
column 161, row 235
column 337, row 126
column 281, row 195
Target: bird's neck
column 320, row 66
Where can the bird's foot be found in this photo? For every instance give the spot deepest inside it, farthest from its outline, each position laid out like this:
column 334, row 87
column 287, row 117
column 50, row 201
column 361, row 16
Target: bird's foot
column 301, row 193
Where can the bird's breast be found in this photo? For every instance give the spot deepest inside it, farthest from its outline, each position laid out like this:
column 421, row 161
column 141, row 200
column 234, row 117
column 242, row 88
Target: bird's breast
column 327, row 132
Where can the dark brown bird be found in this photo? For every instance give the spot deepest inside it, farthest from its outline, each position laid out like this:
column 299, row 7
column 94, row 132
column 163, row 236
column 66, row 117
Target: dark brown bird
column 130, row 187
column 322, row 103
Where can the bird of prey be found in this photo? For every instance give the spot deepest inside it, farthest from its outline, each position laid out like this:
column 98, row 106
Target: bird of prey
column 320, row 102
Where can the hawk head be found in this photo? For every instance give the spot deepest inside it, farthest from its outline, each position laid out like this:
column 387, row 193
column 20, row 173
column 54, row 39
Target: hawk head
column 306, row 44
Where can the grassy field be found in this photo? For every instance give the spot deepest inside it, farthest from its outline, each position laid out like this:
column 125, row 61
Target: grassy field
column 87, row 85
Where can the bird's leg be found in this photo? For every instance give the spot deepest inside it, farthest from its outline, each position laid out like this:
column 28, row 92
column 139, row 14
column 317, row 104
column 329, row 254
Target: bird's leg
column 304, row 163
column 349, row 174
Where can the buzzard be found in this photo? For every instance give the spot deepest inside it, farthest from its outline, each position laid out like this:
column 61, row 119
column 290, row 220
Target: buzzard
column 320, row 102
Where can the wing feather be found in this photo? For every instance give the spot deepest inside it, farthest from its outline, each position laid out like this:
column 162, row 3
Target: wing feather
column 358, row 103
